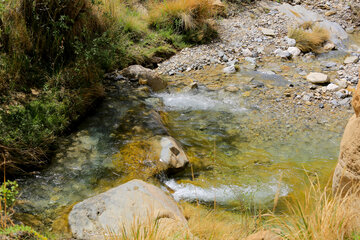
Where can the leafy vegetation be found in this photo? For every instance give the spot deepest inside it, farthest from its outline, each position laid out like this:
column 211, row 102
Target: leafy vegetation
column 53, row 55
column 18, row 232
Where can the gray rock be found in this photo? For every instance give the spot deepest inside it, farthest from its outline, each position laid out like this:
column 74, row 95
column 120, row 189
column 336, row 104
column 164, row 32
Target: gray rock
column 230, row 69
column 342, row 83
column 137, row 72
column 232, row 62
column 251, row 67
column 343, row 93
column 350, row 30
column 332, row 87
column 351, row 59
column 232, row 89
column 225, row 58
column 135, row 202
column 172, row 153
column 329, row 46
column 294, row 51
column 345, row 101
column 268, row 32
column 306, row 97
column 290, row 41
column 221, row 54
column 247, row 53
column 334, row 103
column 329, row 64
column 317, row 78
column 282, row 54
column 191, row 87
column 251, row 60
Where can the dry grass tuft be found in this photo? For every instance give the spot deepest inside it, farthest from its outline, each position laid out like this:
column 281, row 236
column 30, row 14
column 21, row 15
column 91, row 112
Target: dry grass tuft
column 219, row 224
column 310, row 37
column 184, row 16
column 152, row 229
column 321, row 215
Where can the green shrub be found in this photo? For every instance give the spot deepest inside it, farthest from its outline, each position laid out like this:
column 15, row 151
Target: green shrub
column 19, row 232
column 8, row 194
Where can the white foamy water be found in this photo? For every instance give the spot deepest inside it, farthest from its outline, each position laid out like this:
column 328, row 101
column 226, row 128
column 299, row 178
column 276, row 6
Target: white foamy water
column 190, row 101
column 225, row 193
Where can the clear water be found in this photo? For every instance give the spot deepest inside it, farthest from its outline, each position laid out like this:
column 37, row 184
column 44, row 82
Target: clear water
column 244, row 147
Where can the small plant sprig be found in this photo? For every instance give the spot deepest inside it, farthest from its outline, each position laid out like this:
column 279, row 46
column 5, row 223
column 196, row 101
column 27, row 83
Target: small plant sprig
column 8, row 194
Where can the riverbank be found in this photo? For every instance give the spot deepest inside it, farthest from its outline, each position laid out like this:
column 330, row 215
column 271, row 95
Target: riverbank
column 252, row 135
column 52, row 76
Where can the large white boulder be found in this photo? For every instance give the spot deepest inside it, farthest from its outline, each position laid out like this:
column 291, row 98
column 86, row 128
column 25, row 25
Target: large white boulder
column 128, row 206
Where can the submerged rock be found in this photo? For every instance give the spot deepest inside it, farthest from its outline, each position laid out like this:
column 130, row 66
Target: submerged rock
column 151, row 156
column 172, row 154
column 147, row 76
column 124, row 208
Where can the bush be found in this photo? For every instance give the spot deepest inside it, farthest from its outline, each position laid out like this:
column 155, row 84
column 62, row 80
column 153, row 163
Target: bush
column 310, row 37
column 8, row 194
column 189, row 17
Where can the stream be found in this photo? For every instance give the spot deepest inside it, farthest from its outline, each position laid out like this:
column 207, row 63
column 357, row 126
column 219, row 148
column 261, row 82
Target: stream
column 244, row 145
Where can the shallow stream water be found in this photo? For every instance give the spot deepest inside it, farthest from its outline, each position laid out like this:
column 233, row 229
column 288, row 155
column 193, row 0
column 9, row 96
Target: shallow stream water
column 244, row 146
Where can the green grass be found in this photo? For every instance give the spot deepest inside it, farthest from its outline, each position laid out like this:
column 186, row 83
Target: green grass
column 53, row 57
column 18, row 232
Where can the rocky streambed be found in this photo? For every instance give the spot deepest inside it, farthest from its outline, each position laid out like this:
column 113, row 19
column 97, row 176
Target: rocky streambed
column 250, row 122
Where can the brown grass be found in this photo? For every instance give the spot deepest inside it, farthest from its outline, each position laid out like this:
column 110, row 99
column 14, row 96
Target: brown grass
column 320, row 215
column 310, row 37
column 152, row 229
column 190, row 12
column 185, row 17
column 219, row 224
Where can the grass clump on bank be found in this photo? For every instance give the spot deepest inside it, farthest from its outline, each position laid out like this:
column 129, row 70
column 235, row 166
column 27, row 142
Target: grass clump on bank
column 310, row 37
column 193, row 18
column 53, row 55
column 320, row 214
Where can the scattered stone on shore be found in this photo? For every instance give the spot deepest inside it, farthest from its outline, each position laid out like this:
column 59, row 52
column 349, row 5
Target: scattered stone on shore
column 153, row 80
column 231, row 89
column 283, row 54
column 317, row 78
column 230, row 69
column 294, row 51
column 351, row 59
column 332, row 87
column 342, row 83
column 290, row 41
column 268, row 32
column 329, row 46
